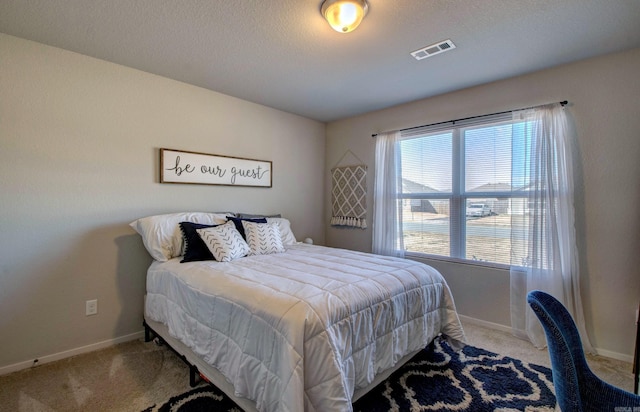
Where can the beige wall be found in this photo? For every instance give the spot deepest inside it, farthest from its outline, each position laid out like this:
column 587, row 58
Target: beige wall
column 79, row 140
column 604, row 96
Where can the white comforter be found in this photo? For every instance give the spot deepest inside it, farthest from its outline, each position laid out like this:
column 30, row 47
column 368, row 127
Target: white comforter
column 301, row 330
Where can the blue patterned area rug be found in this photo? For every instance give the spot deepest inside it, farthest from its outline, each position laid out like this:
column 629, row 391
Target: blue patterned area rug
column 436, row 379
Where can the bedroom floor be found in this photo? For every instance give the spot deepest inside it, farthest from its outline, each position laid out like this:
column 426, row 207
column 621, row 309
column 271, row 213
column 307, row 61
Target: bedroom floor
column 615, row 372
column 135, row 375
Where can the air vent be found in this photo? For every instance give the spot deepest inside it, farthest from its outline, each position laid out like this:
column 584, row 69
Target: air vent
column 433, row 49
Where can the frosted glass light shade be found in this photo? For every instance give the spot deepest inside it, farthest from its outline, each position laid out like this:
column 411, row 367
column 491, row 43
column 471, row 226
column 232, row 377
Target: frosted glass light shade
column 344, row 15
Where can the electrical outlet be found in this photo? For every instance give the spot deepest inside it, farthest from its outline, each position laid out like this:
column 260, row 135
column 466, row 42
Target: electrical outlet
column 92, row 307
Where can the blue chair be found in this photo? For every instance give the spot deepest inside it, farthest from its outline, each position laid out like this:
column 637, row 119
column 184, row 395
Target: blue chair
column 577, row 387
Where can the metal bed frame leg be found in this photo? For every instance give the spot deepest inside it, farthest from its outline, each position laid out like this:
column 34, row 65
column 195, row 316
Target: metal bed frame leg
column 194, row 374
column 147, row 332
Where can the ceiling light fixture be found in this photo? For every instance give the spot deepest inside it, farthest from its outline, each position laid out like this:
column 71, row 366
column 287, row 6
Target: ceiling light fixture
column 344, row 15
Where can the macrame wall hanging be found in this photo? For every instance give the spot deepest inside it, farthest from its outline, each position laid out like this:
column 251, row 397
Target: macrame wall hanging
column 349, row 194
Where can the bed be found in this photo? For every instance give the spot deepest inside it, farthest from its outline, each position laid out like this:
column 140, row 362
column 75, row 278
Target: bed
column 305, row 328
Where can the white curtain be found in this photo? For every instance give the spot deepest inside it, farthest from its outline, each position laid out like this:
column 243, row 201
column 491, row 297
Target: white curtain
column 387, row 220
column 551, row 262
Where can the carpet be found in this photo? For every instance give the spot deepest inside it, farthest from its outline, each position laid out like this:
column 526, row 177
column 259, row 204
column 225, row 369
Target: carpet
column 436, row 379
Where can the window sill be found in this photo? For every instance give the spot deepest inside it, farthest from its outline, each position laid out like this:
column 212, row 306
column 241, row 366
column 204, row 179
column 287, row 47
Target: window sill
column 425, row 256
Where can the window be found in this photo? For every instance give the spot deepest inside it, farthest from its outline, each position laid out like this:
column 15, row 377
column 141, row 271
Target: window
column 495, row 189
column 464, row 191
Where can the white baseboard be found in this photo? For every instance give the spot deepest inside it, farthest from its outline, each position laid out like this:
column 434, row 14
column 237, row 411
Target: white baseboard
column 507, row 329
column 614, row 355
column 67, row 354
column 486, row 324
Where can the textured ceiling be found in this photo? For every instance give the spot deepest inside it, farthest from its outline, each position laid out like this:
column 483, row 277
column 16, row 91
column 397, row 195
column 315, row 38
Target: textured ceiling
column 281, row 53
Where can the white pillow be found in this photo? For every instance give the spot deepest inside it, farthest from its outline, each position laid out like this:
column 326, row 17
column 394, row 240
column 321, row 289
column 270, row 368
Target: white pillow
column 263, row 238
column 285, row 230
column 224, row 242
column 161, row 234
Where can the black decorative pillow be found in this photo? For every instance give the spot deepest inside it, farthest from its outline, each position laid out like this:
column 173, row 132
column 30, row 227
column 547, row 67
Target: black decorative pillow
column 238, row 222
column 195, row 250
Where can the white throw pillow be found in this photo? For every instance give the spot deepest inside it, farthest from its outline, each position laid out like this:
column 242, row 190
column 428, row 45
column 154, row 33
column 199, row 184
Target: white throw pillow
column 162, row 236
column 263, row 238
column 285, row 230
column 224, row 242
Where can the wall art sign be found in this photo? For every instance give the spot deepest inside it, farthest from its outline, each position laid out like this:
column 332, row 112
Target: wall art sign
column 179, row 166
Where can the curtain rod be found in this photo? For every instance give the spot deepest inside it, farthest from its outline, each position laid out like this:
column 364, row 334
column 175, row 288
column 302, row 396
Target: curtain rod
column 563, row 103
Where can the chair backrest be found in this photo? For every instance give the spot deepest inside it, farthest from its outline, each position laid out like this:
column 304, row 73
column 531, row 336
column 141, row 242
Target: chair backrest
column 565, row 348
